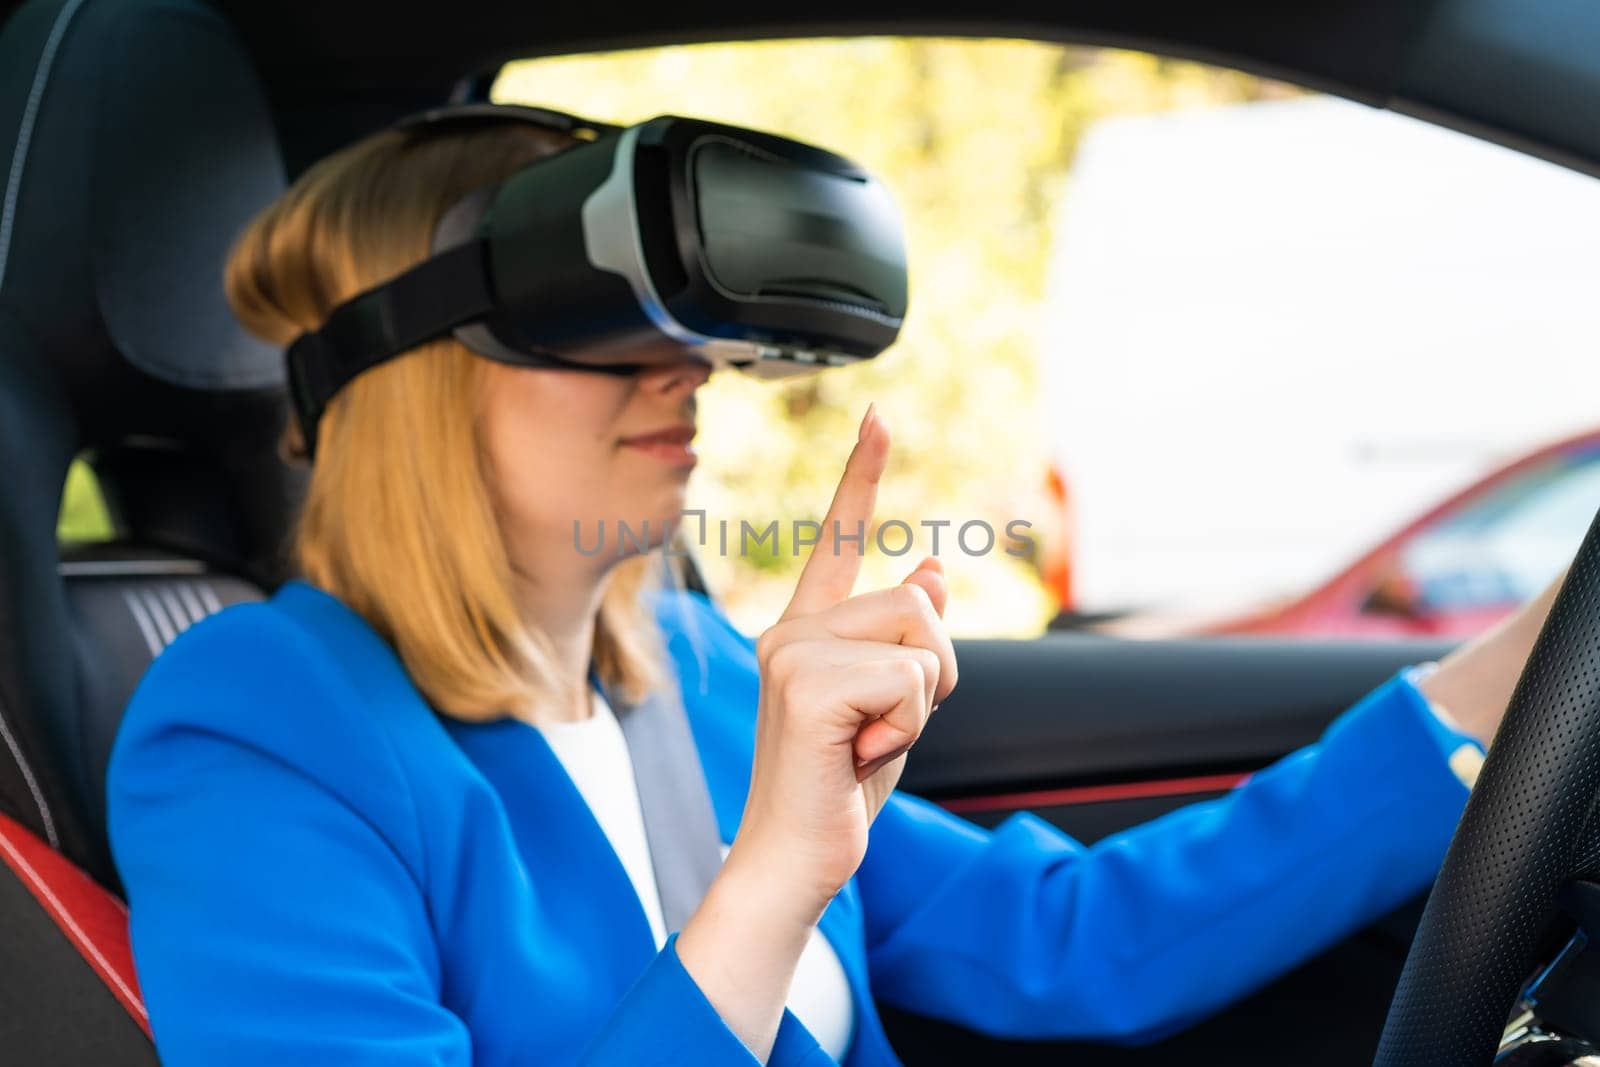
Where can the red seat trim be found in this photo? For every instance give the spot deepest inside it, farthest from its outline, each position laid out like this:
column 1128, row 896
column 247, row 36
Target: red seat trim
column 92, row 918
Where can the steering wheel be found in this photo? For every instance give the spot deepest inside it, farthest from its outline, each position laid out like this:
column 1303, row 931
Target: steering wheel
column 1522, row 837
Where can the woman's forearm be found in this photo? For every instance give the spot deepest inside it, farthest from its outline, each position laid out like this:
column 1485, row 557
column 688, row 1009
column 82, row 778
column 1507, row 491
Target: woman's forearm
column 741, row 946
column 1473, row 684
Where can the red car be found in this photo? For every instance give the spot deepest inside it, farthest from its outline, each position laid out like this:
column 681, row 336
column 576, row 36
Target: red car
column 1462, row 565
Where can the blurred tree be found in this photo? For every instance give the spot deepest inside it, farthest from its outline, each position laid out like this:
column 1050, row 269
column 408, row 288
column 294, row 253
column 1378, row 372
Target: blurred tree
column 975, row 138
column 84, row 516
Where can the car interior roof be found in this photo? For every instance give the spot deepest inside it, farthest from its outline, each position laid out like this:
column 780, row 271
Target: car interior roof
column 1489, row 67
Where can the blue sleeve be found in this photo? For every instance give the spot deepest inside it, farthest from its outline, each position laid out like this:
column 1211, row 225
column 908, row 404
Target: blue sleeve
column 277, row 908
column 1023, row 932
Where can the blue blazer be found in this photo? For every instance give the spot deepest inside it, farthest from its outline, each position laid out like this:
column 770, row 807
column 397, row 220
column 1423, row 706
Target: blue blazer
column 321, row 870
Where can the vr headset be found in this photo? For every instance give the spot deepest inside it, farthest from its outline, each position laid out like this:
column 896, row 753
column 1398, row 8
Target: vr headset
column 631, row 248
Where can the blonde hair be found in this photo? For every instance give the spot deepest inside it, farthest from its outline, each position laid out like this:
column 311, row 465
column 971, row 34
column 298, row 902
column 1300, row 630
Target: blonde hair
column 399, row 521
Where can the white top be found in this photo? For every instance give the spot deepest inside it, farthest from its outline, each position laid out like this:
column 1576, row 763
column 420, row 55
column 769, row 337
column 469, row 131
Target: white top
column 595, row 755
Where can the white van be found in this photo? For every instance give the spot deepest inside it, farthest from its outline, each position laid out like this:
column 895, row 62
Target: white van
column 1296, row 249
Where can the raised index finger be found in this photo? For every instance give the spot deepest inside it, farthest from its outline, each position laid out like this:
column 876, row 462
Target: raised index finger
column 835, row 560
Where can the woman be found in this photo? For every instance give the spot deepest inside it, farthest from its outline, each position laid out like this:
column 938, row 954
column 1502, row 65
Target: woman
column 387, row 817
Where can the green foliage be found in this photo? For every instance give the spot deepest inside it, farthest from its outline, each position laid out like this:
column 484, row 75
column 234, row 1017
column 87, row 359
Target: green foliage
column 84, row 516
column 975, row 139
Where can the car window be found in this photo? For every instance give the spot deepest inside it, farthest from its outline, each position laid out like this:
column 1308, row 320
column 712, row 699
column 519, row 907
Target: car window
column 1200, row 340
column 84, row 516
column 1502, row 549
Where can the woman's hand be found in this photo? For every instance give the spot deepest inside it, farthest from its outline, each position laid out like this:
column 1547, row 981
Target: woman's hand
column 847, row 684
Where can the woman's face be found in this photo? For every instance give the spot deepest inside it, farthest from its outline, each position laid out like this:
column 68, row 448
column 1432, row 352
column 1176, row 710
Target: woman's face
column 569, row 447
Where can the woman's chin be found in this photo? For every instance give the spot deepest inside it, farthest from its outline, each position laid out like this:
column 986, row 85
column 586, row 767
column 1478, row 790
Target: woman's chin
column 651, row 526
column 670, row 502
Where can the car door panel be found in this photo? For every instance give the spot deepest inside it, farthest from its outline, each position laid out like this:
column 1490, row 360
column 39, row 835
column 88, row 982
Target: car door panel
column 1071, row 709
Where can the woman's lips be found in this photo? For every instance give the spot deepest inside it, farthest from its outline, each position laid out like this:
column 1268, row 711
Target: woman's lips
column 671, row 445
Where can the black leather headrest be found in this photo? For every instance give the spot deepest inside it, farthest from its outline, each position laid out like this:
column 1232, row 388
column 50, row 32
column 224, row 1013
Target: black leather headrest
column 141, row 144
column 134, row 145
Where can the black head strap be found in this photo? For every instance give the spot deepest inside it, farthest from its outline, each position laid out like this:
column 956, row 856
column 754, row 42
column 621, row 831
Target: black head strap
column 450, row 289
column 426, row 302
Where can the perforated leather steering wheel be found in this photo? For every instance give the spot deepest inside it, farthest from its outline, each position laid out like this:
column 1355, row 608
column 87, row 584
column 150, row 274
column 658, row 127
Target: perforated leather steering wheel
column 1523, row 835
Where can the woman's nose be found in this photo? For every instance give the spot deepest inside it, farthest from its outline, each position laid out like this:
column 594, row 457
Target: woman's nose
column 680, row 378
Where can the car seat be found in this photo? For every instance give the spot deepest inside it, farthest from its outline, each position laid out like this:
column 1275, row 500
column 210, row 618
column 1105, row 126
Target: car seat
column 136, row 143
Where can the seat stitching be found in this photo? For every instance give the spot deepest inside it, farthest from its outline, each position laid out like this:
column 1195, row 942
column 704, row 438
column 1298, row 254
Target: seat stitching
column 146, row 627
column 30, row 113
column 33, row 785
column 190, row 601
column 152, row 604
column 181, row 619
